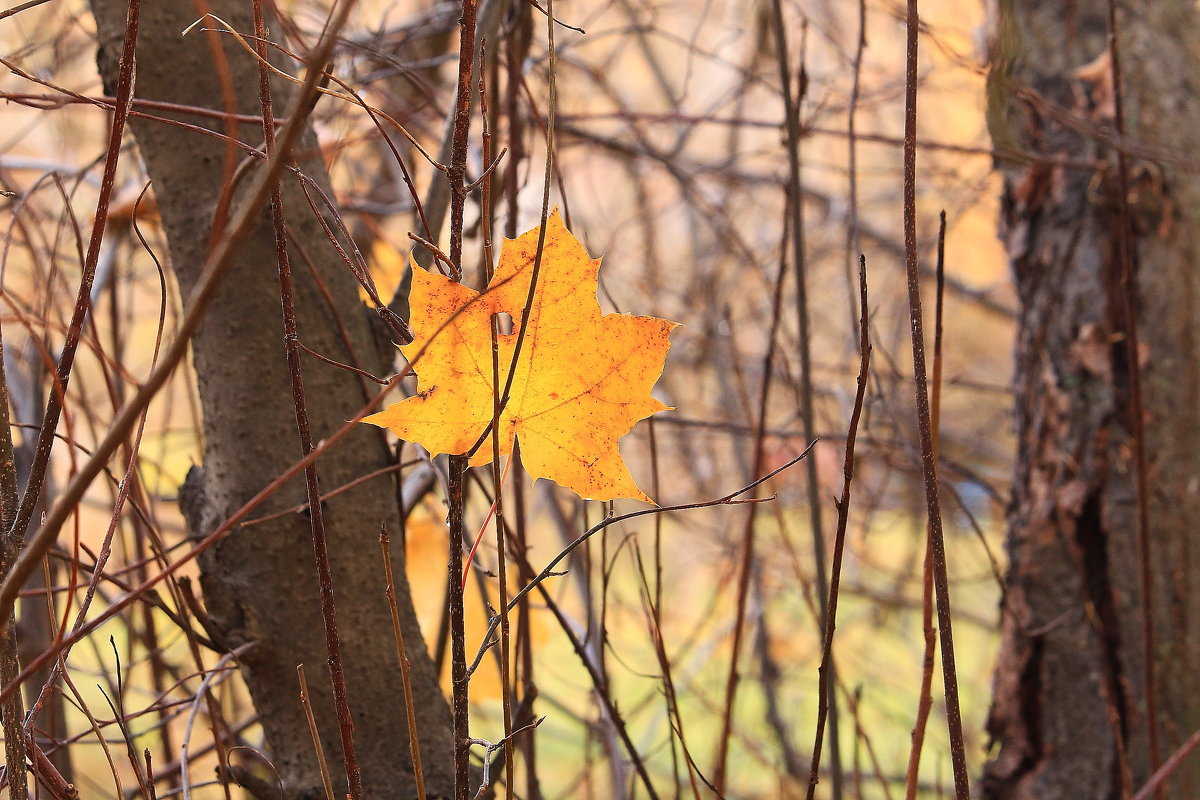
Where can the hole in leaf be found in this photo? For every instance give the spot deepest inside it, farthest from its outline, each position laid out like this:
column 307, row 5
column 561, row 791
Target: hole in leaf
column 504, row 322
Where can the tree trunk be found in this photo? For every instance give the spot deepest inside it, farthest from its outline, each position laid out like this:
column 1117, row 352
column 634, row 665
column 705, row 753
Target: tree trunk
column 1071, row 713
column 259, row 583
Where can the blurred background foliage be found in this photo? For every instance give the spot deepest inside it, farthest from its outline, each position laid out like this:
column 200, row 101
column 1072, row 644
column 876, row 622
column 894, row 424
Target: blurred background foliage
column 672, row 165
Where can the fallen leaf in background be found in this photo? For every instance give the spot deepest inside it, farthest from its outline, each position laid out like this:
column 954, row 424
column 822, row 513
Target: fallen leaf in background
column 387, row 268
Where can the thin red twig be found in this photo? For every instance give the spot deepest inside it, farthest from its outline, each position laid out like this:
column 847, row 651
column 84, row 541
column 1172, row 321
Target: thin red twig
column 414, row 740
column 941, row 582
column 291, row 339
column 843, row 519
column 1173, row 762
column 925, row 698
column 459, row 676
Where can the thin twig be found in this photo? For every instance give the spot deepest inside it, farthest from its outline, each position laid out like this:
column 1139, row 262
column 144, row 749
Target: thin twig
column 925, row 697
column 335, row 363
column 853, row 239
column 664, row 664
column 316, row 514
column 326, row 782
column 459, row 676
column 300, row 508
column 962, row 789
column 1173, row 762
column 462, row 125
column 492, row 747
column 14, row 741
column 414, row 740
column 843, row 518
column 17, row 9
column 438, row 255
column 497, row 478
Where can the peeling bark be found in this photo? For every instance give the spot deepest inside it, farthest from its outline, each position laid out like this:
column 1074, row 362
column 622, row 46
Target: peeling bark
column 1069, row 718
column 259, row 583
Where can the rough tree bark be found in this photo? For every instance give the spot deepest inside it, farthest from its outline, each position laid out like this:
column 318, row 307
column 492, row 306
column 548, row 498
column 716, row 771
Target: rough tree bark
column 259, row 583
column 1070, row 712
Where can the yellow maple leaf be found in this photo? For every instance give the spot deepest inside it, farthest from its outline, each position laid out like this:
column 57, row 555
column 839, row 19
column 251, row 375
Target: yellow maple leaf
column 582, row 380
